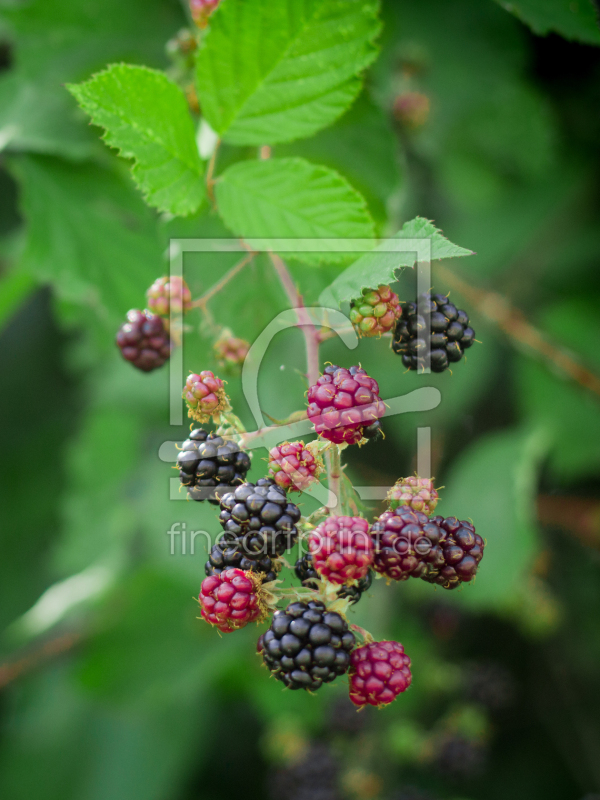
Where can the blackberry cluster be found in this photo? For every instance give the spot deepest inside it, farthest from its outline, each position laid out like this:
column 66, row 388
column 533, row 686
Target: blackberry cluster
column 258, row 519
column 224, row 555
column 437, row 328
column 210, row 465
column 307, row 574
column 144, row 340
column 442, row 551
column 307, row 646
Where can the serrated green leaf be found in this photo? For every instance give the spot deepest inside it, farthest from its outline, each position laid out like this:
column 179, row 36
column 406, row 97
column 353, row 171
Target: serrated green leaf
column 380, row 265
column 145, row 116
column 292, row 198
column 273, row 72
column 573, row 20
column 88, row 234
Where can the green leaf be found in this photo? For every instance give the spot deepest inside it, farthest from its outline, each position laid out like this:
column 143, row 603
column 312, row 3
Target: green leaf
column 292, row 198
column 88, row 233
column 146, row 117
column 573, row 20
column 272, row 72
column 380, row 265
column 494, row 483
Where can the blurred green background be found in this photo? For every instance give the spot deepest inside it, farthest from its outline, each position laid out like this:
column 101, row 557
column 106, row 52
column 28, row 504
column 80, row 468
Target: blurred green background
column 110, row 688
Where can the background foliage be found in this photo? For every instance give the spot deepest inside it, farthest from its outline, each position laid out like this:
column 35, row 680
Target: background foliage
column 110, row 688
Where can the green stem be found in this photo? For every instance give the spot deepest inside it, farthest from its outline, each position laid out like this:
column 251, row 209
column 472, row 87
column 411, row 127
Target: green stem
column 334, row 473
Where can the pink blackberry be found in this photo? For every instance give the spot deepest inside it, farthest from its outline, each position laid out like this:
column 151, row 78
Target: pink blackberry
column 406, row 543
column 308, row 576
column 379, row 672
column 375, row 312
column 462, row 550
column 169, row 294
column 205, row 396
column 341, row 549
column 144, row 340
column 293, row 466
column 201, row 11
column 230, row 350
column 342, row 403
column 231, row 599
column 415, row 493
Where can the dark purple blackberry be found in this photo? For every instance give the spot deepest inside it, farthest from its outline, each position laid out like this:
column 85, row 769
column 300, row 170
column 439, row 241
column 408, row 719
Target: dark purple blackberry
column 307, row 646
column 144, row 340
column 462, row 550
column 222, row 556
column 407, row 544
column 373, row 430
column 458, row 757
column 259, row 520
column 307, row 574
column 490, row 684
column 209, row 465
column 432, row 325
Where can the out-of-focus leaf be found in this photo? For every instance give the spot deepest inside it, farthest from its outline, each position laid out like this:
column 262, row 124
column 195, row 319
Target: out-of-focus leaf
column 300, row 66
column 146, row 117
column 577, row 20
column 290, row 198
column 380, row 266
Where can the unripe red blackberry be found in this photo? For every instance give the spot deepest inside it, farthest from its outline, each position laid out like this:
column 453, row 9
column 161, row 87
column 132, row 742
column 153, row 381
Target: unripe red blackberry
column 342, row 403
column 308, row 576
column 415, row 493
column 432, row 325
column 201, row 11
column 224, row 555
column 462, row 550
column 375, row 312
column 230, row 350
column 232, row 599
column 341, row 549
column 293, row 466
column 411, row 109
column 211, row 465
column 306, row 645
column 205, row 396
column 169, row 294
column 379, row 672
column 144, row 340
column 407, row 543
column 259, row 520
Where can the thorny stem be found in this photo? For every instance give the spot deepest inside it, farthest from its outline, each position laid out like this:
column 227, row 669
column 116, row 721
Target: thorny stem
column 311, row 334
column 514, row 324
column 202, row 301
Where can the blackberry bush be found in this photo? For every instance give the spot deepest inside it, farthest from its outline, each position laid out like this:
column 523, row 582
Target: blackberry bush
column 432, row 325
column 144, row 340
column 210, row 465
column 307, row 645
column 344, row 402
column 259, row 520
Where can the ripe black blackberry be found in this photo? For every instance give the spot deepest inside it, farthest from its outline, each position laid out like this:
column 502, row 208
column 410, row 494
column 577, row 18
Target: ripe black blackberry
column 307, row 574
column 462, row 550
column 223, row 555
column 432, row 325
column 307, row 646
column 210, row 465
column 144, row 340
column 258, row 519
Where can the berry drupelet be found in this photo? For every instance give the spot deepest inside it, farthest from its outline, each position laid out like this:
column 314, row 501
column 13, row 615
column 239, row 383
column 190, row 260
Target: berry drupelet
column 342, row 403
column 210, row 465
column 259, row 520
column 432, row 325
column 308, row 576
column 144, row 340
column 307, row 646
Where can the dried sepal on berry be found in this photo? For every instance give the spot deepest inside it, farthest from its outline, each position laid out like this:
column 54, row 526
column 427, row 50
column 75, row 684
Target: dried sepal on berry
column 295, row 466
column 169, row 294
column 418, row 494
column 205, row 396
column 375, row 312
